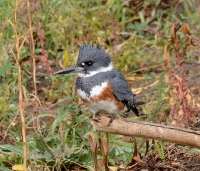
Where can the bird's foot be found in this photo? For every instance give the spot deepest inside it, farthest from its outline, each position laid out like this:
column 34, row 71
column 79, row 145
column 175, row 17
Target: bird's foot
column 111, row 120
column 125, row 115
column 97, row 114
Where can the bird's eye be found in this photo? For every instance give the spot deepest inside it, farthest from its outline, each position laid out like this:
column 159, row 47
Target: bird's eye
column 83, row 64
column 89, row 63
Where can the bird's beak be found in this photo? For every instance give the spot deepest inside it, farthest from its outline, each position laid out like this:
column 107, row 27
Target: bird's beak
column 75, row 69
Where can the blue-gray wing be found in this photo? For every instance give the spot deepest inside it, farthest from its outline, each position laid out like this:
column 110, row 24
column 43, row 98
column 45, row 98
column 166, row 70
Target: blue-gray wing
column 120, row 87
column 122, row 91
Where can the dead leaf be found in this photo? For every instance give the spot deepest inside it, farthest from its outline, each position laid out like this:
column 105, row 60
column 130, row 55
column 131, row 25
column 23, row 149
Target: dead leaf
column 135, row 78
column 166, row 58
column 113, row 168
column 136, row 90
column 123, row 166
column 18, row 167
column 92, row 142
column 180, row 112
column 65, row 59
column 172, row 28
column 174, row 164
column 137, row 158
column 189, row 98
column 139, row 90
column 171, row 101
column 185, row 29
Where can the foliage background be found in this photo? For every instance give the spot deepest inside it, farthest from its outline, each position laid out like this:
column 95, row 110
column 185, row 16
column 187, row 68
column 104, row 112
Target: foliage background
column 138, row 35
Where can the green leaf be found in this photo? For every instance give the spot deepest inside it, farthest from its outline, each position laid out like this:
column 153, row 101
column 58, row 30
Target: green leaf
column 66, row 135
column 147, row 76
column 12, row 148
column 47, row 155
column 54, row 125
column 124, row 144
column 160, row 149
column 34, row 118
column 41, row 146
column 4, row 168
column 7, row 67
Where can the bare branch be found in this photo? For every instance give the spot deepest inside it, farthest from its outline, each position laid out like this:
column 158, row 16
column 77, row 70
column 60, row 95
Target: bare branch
column 148, row 130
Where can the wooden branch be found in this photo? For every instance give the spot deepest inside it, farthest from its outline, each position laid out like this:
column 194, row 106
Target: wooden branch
column 148, row 130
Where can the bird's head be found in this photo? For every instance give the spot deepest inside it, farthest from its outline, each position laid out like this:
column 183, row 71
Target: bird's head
column 91, row 60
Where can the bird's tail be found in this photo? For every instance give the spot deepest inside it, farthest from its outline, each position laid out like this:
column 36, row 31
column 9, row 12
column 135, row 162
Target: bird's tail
column 133, row 106
column 138, row 102
column 134, row 109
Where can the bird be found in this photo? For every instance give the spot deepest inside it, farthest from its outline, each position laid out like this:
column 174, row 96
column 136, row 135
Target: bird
column 100, row 85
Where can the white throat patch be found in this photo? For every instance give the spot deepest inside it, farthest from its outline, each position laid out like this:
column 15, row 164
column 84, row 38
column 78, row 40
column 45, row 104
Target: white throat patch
column 102, row 69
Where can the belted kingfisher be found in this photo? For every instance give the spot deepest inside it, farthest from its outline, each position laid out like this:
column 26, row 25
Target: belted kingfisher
column 101, row 87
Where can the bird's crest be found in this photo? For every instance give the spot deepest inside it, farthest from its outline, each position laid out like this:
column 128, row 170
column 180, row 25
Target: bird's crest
column 94, row 53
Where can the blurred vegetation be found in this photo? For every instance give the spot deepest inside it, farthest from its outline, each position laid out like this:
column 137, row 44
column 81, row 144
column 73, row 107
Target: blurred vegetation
column 137, row 35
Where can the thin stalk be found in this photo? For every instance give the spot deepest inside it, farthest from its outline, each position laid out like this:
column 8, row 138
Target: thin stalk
column 21, row 105
column 32, row 49
column 181, row 84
